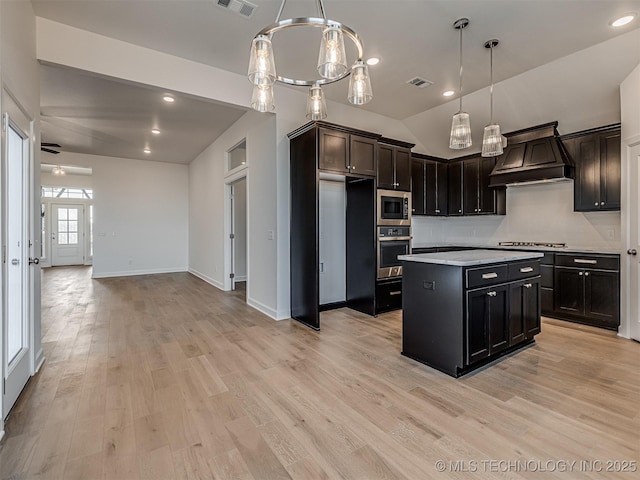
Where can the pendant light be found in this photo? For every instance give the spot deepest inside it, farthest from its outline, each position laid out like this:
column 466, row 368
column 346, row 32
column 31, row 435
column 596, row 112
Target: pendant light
column 492, row 141
column 58, row 170
column 360, row 84
column 316, row 106
column 332, row 64
column 460, row 125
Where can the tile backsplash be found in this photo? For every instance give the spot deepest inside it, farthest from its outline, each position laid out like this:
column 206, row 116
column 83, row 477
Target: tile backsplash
column 535, row 213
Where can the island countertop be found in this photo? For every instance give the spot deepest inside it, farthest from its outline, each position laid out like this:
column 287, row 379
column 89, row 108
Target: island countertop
column 469, row 258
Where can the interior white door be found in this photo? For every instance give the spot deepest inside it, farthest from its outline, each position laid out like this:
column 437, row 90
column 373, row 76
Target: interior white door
column 633, row 251
column 16, row 263
column 67, row 235
column 332, row 233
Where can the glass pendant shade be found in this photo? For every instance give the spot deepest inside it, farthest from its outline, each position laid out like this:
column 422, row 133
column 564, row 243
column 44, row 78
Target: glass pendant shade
column 460, row 131
column 492, row 141
column 316, row 106
column 332, row 59
column 262, row 98
column 262, row 66
column 359, row 84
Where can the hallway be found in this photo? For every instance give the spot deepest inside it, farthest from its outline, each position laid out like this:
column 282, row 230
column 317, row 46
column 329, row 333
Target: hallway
column 165, row 376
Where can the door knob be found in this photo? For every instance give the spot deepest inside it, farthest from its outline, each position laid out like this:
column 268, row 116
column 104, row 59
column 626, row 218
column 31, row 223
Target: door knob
column 34, row 261
column 632, row 251
column 15, row 261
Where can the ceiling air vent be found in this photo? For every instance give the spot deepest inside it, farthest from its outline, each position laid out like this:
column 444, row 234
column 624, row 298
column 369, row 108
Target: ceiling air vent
column 420, row 82
column 240, row 7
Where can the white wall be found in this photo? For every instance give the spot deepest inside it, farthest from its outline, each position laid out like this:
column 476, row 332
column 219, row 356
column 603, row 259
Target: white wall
column 141, row 211
column 207, row 177
column 19, row 76
column 67, row 180
column 535, row 213
column 240, row 228
column 332, row 230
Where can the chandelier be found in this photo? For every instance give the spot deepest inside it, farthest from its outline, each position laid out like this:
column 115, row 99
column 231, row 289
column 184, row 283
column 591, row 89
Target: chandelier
column 332, row 64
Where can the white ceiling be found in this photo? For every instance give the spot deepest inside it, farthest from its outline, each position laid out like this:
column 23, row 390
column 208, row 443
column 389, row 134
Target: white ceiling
column 87, row 113
column 413, row 38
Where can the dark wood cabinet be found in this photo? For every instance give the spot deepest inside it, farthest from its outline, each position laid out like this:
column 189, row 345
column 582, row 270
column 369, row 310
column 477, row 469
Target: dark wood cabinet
column 418, row 200
column 388, row 295
column 524, row 310
column 346, row 153
column 394, row 165
column 487, row 322
column 597, row 158
column 454, row 188
column 428, row 185
column 587, row 289
column 478, row 198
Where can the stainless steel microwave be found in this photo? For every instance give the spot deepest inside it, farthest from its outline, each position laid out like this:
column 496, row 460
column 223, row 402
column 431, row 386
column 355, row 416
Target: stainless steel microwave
column 394, row 208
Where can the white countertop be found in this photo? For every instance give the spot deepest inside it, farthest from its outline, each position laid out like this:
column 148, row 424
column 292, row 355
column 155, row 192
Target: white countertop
column 569, row 249
column 467, row 258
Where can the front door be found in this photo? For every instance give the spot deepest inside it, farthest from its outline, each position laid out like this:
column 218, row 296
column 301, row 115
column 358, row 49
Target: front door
column 67, row 235
column 16, row 263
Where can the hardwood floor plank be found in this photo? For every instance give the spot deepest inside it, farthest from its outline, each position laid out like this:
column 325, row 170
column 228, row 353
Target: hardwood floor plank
column 166, row 377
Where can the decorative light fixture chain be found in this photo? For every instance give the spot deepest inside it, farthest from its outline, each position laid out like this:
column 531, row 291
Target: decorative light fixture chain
column 491, row 67
column 461, row 68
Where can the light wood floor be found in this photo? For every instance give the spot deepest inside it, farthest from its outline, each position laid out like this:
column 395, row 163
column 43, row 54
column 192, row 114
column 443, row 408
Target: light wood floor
column 165, row 376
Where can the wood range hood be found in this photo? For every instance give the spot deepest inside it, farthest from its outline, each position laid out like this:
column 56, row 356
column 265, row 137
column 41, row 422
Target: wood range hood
column 532, row 155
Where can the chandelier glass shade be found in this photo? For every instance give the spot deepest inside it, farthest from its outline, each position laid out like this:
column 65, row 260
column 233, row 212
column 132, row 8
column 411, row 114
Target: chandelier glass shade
column 460, row 124
column 316, row 105
column 332, row 62
column 492, row 141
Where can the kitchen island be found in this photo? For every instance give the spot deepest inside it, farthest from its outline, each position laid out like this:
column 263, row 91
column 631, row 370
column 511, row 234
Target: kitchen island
column 464, row 309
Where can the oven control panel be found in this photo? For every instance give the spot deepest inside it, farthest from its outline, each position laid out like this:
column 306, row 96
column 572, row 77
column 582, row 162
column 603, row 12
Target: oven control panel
column 394, row 232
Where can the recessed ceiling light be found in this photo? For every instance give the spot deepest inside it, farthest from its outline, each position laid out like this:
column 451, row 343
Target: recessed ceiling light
column 155, row 131
column 147, row 150
column 624, row 20
column 448, row 93
column 373, row 61
column 168, row 99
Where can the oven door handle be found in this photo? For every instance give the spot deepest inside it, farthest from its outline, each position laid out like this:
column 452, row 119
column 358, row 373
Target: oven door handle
column 389, row 239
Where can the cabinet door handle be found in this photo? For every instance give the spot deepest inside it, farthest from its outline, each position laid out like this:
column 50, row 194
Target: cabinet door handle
column 460, row 211
column 397, row 292
column 583, row 260
column 492, row 294
column 526, row 269
column 437, row 211
column 601, row 204
column 353, row 167
column 586, row 274
column 580, row 273
column 632, row 251
column 487, row 276
column 596, row 204
column 527, row 285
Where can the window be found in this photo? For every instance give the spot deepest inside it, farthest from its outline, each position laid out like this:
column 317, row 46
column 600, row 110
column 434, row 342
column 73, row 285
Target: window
column 65, row 192
column 67, row 226
column 237, row 156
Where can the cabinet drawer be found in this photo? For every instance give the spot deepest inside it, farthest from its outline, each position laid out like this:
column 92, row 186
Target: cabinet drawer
column 388, row 296
column 519, row 270
column 479, row 277
column 415, row 251
column 548, row 259
column 598, row 262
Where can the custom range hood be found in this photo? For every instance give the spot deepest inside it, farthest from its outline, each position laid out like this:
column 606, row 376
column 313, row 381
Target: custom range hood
column 532, row 155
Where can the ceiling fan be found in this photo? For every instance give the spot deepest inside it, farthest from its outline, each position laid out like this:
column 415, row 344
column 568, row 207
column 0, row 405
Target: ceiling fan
column 44, row 147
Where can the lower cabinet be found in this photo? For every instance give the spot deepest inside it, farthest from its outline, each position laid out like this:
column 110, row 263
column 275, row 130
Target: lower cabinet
column 388, row 295
column 524, row 310
column 487, row 322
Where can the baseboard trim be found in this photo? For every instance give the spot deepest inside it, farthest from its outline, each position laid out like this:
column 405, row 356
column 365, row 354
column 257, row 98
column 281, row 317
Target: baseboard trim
column 261, row 307
column 133, row 273
column 39, row 361
column 206, row 278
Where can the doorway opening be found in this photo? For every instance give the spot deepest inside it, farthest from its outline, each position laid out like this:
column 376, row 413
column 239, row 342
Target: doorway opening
column 238, row 235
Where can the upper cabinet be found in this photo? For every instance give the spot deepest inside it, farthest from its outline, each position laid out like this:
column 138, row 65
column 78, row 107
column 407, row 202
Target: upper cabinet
column 596, row 154
column 346, row 153
column 428, row 185
column 394, row 165
column 469, row 190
